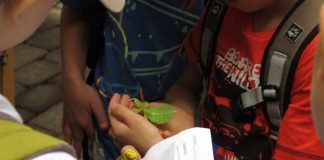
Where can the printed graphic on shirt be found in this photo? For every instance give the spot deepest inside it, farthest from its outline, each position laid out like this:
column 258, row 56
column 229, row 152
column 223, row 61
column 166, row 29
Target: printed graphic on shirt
column 239, row 134
column 239, row 69
column 152, row 31
column 140, row 52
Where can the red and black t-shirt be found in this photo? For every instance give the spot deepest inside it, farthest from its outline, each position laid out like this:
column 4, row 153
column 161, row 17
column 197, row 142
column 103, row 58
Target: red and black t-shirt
column 236, row 69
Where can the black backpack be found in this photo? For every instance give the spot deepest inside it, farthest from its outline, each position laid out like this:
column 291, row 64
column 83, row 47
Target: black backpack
column 282, row 55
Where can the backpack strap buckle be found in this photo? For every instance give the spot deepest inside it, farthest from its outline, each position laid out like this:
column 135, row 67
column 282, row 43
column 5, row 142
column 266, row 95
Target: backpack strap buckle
column 250, row 99
column 271, row 93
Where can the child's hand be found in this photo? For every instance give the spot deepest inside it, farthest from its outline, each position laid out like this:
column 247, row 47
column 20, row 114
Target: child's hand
column 81, row 104
column 130, row 128
column 317, row 89
column 180, row 121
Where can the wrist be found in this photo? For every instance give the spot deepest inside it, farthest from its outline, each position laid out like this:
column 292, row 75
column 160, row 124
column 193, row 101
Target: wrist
column 154, row 141
column 72, row 76
column 72, row 79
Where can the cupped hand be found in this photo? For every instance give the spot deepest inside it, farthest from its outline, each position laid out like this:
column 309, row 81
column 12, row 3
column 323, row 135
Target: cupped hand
column 130, row 128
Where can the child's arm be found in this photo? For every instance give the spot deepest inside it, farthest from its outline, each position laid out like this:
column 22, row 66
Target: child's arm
column 317, row 90
column 184, row 95
column 81, row 101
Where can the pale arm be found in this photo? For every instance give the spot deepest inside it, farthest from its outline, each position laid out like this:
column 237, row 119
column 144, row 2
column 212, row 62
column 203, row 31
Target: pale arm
column 184, row 95
column 317, row 91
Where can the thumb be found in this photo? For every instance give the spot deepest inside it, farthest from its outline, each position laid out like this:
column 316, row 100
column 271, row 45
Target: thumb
column 123, row 114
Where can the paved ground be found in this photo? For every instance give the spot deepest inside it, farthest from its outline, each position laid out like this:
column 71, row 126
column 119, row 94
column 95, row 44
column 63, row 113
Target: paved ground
column 38, row 77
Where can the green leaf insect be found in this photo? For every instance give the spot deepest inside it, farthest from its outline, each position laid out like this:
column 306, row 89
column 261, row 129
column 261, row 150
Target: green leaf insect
column 158, row 115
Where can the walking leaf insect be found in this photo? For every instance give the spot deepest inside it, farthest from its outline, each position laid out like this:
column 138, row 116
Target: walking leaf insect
column 159, row 115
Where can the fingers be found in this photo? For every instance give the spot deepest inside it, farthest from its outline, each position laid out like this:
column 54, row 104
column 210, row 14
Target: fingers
column 99, row 112
column 118, row 127
column 119, row 115
column 89, row 130
column 125, row 101
column 116, row 98
column 67, row 132
column 123, row 114
column 77, row 140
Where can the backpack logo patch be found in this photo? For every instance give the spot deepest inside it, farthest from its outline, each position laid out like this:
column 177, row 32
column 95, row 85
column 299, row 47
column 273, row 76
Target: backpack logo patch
column 216, row 9
column 293, row 32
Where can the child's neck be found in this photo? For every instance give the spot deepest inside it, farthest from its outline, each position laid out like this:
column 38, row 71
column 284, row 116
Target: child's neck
column 269, row 18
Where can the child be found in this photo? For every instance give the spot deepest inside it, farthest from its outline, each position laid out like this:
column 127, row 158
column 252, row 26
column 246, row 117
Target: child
column 138, row 53
column 18, row 20
column 246, row 30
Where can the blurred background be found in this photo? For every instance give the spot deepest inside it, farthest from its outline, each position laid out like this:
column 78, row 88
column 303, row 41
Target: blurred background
column 38, row 86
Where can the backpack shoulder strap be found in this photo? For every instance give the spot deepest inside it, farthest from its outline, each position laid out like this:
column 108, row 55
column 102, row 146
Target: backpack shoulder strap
column 281, row 59
column 283, row 56
column 215, row 12
column 213, row 19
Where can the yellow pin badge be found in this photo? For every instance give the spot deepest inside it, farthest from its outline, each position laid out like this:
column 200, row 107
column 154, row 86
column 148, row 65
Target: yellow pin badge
column 129, row 153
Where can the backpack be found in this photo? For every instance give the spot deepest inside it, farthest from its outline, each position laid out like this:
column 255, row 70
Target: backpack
column 282, row 55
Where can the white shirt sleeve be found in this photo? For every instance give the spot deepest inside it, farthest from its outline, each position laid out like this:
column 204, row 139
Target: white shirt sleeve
column 7, row 111
column 55, row 156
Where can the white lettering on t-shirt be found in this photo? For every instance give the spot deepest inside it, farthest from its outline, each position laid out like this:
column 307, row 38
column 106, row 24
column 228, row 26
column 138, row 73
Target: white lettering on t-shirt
column 240, row 70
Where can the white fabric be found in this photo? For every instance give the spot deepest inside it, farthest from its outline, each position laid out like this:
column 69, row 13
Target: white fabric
column 55, row 156
column 8, row 112
column 190, row 144
column 114, row 5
